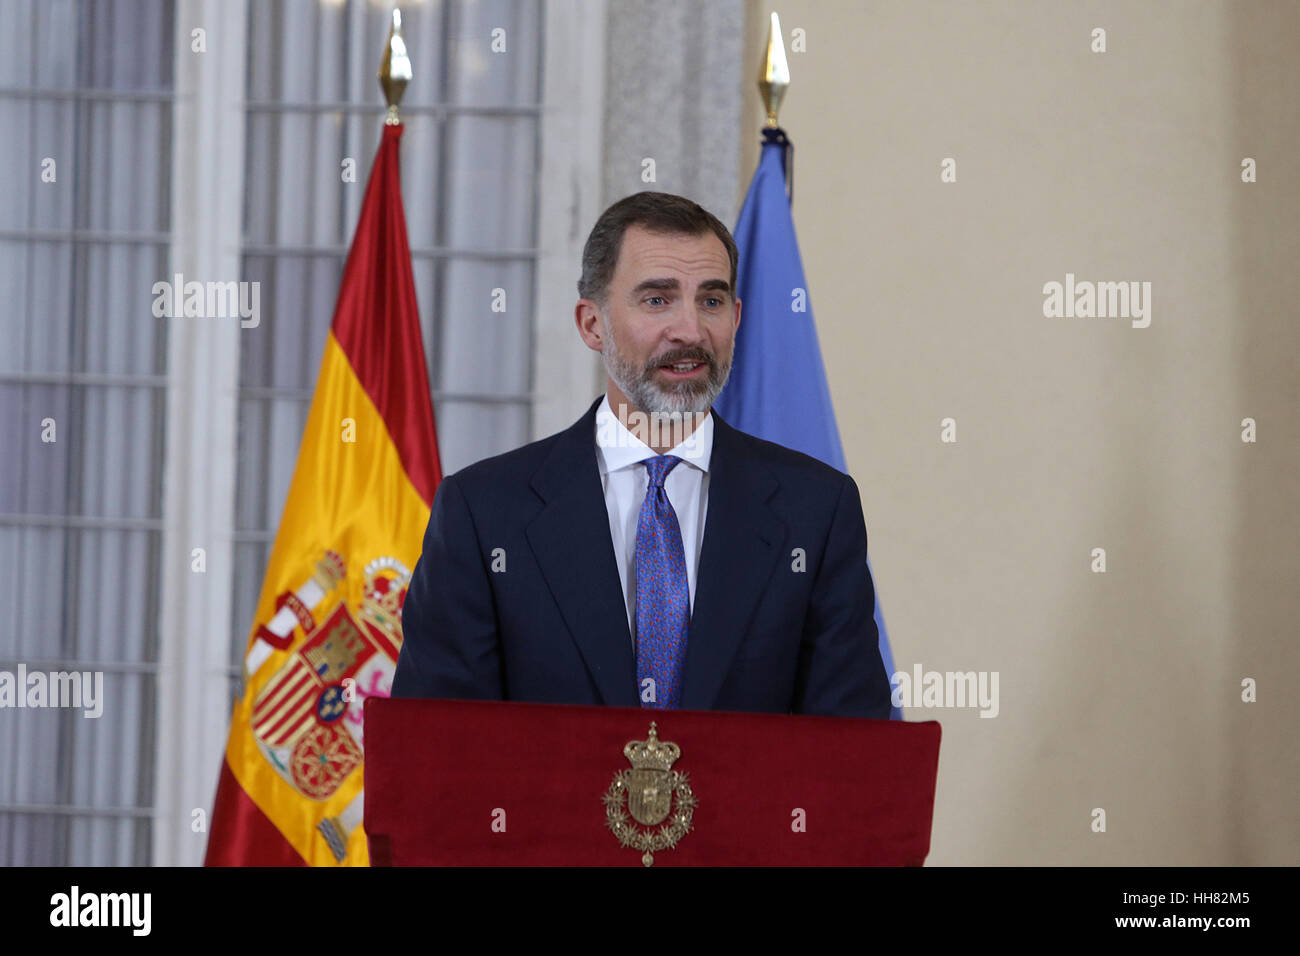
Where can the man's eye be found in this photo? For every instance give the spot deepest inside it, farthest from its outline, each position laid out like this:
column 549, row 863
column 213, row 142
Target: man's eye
column 651, row 300
column 716, row 303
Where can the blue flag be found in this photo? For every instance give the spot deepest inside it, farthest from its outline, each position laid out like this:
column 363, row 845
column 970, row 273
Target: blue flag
column 777, row 388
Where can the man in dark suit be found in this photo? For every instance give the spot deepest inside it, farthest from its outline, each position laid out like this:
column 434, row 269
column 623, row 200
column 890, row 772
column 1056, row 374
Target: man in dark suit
column 650, row 554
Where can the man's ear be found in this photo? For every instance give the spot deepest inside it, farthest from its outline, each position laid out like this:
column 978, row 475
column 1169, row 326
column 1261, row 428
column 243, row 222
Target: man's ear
column 586, row 315
column 737, row 325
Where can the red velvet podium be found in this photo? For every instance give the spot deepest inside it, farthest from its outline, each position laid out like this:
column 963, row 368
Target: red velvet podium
column 470, row 783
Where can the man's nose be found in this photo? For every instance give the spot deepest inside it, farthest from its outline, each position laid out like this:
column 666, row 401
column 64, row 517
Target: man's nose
column 688, row 325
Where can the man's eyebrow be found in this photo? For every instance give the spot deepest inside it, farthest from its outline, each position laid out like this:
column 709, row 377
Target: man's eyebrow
column 672, row 285
column 658, row 285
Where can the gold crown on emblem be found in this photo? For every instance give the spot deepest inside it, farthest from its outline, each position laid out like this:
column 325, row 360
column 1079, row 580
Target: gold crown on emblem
column 652, row 753
column 330, row 570
column 381, row 602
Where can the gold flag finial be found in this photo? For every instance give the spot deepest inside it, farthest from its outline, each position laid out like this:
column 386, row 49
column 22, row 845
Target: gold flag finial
column 394, row 68
column 774, row 74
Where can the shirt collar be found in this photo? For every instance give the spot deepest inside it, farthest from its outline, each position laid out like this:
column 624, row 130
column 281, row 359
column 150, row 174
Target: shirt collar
column 617, row 447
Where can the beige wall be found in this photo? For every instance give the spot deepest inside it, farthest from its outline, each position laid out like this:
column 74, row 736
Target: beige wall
column 1118, row 690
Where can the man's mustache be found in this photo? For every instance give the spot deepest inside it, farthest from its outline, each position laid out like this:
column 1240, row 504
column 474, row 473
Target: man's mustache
column 677, row 358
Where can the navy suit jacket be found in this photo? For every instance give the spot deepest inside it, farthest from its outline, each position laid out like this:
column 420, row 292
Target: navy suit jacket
column 517, row 595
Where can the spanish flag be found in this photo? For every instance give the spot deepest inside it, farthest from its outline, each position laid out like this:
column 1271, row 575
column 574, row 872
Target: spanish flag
column 328, row 627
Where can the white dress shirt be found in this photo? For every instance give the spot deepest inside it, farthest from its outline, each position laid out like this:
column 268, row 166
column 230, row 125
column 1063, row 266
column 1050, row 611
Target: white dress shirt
column 619, row 454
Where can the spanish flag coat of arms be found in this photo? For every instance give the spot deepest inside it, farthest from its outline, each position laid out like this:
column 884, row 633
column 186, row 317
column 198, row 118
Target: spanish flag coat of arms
column 328, row 628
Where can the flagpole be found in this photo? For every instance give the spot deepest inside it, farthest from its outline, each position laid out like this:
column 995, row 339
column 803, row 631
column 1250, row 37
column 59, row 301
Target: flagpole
column 773, row 81
column 770, row 267
column 394, row 69
column 774, row 72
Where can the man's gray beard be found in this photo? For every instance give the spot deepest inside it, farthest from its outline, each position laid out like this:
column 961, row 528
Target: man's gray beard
column 645, row 393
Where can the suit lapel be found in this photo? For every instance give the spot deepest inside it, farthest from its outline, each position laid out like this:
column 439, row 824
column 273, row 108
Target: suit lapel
column 571, row 541
column 743, row 539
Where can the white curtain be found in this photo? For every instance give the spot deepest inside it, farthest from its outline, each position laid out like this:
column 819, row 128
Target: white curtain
column 86, row 85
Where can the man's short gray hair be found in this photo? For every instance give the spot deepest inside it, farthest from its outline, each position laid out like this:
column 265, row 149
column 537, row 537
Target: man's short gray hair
column 657, row 212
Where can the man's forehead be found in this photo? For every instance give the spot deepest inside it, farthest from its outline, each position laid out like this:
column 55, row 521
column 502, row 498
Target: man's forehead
column 644, row 250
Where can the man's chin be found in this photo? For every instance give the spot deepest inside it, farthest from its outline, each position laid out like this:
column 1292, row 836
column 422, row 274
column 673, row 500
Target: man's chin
column 694, row 400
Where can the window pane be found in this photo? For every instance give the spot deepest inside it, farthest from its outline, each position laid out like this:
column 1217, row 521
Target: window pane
column 82, row 414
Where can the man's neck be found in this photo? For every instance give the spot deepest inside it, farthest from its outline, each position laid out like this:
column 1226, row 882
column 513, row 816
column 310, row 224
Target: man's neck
column 661, row 431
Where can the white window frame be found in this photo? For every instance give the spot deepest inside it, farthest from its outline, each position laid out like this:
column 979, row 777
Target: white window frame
column 193, row 711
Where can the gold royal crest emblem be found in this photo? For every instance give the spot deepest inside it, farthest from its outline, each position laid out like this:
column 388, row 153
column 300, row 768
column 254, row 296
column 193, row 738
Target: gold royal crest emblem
column 653, row 794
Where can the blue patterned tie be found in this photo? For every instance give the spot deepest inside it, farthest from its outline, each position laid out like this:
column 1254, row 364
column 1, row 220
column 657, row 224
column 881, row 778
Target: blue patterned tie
column 663, row 597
